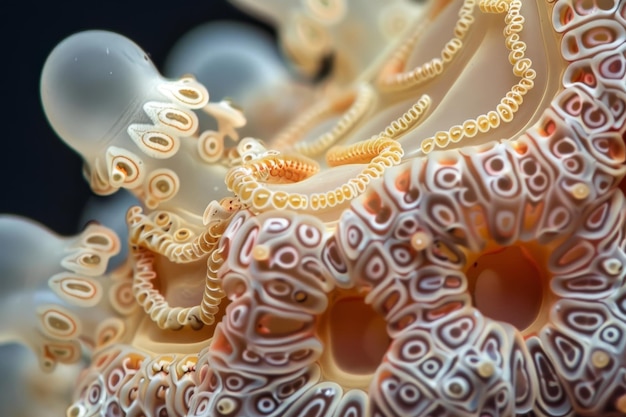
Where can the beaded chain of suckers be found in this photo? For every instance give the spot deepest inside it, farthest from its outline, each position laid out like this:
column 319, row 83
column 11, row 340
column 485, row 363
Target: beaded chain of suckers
column 242, row 308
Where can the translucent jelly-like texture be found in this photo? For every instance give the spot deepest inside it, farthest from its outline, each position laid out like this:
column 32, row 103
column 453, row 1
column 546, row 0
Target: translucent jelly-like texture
column 89, row 85
column 243, row 64
column 441, row 233
column 106, row 100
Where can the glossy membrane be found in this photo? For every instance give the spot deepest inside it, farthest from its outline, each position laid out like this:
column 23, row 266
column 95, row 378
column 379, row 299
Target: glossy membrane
column 439, row 233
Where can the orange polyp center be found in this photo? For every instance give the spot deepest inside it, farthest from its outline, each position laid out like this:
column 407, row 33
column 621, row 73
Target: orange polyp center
column 355, row 339
column 508, row 285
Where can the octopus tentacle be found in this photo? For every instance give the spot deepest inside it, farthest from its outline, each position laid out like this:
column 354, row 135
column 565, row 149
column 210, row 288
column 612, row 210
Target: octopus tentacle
column 353, row 106
column 153, row 302
column 165, row 234
column 278, row 168
column 513, row 99
column 244, row 181
column 66, row 302
column 362, row 152
column 392, row 76
column 411, row 118
column 213, row 293
column 170, row 236
column 487, row 280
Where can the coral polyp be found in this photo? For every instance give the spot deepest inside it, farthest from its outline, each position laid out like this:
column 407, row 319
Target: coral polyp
column 434, row 228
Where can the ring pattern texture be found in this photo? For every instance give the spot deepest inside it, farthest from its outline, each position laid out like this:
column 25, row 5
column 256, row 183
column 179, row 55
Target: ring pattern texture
column 398, row 258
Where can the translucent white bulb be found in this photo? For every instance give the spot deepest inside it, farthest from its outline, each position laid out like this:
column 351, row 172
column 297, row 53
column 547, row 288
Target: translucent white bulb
column 231, row 59
column 92, row 84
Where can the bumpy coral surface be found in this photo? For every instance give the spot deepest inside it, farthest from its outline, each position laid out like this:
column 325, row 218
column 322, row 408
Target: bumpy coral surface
column 439, row 229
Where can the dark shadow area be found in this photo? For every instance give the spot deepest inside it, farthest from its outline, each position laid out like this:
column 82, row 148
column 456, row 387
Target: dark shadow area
column 42, row 178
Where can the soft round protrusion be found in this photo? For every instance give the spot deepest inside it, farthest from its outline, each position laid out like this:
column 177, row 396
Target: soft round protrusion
column 401, row 305
column 231, row 59
column 91, row 84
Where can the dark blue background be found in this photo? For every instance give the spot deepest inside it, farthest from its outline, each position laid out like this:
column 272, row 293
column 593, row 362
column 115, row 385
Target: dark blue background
column 39, row 176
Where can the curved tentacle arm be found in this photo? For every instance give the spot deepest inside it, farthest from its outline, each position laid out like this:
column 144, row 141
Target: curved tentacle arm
column 217, row 216
column 65, row 301
column 278, row 168
column 363, row 152
column 169, row 235
column 176, row 118
column 246, row 182
column 409, row 119
column 509, row 104
column 213, row 292
column 153, row 301
column 394, row 77
column 162, row 234
column 353, row 106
